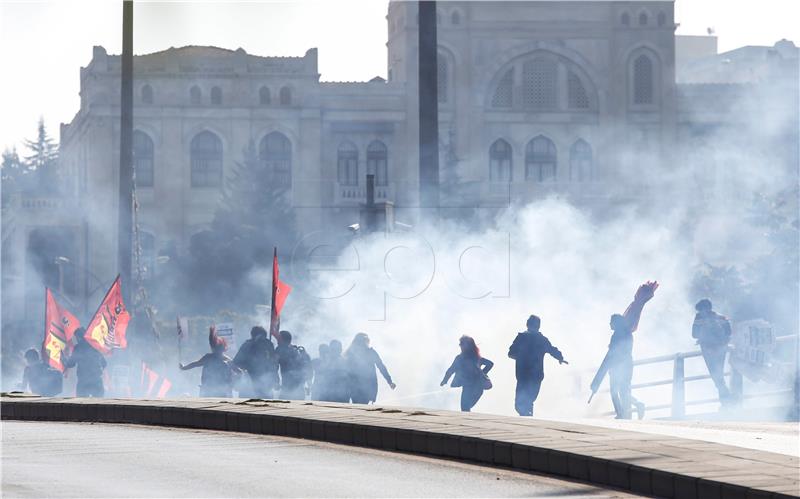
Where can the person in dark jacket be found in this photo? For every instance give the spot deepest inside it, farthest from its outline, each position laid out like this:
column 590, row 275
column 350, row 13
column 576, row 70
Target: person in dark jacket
column 470, row 371
column 528, row 349
column 319, row 386
column 712, row 332
column 39, row 377
column 257, row 357
column 91, row 364
column 295, row 367
column 338, row 377
column 216, row 379
column 362, row 361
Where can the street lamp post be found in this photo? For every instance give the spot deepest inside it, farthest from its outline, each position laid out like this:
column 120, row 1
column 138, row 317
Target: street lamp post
column 428, row 109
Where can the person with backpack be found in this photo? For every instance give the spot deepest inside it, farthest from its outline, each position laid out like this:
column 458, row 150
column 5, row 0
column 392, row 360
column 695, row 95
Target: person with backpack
column 712, row 332
column 471, row 373
column 216, row 379
column 295, row 367
column 90, row 363
column 39, row 377
column 528, row 350
column 257, row 357
column 362, row 360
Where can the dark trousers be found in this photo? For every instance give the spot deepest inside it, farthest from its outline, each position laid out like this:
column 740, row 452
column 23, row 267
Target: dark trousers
column 90, row 388
column 714, row 355
column 620, row 375
column 527, row 392
column 470, row 394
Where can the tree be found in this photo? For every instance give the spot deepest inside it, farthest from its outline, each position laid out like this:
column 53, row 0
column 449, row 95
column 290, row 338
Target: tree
column 43, row 159
column 253, row 216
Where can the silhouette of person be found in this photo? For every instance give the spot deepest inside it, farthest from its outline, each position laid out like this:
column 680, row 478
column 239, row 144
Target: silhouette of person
column 295, row 367
column 618, row 362
column 362, row 361
column 216, row 379
column 338, row 378
column 257, row 357
column 39, row 377
column 528, row 350
column 319, row 387
column 712, row 332
column 91, row 364
column 470, row 370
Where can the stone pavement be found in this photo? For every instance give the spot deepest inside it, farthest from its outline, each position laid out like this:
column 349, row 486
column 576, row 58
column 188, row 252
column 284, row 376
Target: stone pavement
column 655, row 465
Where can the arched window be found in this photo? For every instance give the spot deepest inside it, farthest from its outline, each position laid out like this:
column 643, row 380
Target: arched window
column 147, row 94
column 503, row 93
column 147, row 256
column 455, row 18
column 643, row 80
column 216, row 96
column 275, row 153
column 286, row 96
column 541, row 160
column 143, row 159
column 377, row 160
column 625, row 19
column 576, row 92
column 442, row 82
column 500, row 166
column 539, row 79
column 206, row 159
column 347, row 164
column 580, row 161
column 264, row 97
column 642, row 19
column 662, row 19
column 195, row 96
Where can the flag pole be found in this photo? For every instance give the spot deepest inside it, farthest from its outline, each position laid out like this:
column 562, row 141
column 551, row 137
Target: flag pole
column 273, row 319
column 180, row 340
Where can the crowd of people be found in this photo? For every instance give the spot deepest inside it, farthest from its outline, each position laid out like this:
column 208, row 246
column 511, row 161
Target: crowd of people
column 262, row 369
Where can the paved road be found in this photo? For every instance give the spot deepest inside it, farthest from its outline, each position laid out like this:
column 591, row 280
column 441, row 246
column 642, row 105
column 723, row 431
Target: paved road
column 94, row 460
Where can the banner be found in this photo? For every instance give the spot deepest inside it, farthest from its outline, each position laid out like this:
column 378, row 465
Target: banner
column 153, row 384
column 59, row 328
column 107, row 328
column 280, row 291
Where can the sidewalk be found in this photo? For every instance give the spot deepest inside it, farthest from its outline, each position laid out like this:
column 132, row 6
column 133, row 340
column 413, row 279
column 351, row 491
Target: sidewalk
column 648, row 464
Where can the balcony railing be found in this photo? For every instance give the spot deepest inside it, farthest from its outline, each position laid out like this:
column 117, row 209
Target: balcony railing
column 357, row 194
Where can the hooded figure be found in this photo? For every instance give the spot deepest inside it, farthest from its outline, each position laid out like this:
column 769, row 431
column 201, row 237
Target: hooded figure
column 470, row 371
column 618, row 362
column 216, row 379
column 337, row 375
column 361, row 363
column 529, row 349
column 257, row 357
column 39, row 376
column 295, row 366
column 91, row 364
column 712, row 332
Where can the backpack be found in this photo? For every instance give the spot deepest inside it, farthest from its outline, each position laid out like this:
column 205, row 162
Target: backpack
column 301, row 363
column 714, row 329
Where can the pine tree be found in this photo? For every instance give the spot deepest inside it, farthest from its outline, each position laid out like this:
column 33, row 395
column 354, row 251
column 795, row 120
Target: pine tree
column 12, row 166
column 43, row 160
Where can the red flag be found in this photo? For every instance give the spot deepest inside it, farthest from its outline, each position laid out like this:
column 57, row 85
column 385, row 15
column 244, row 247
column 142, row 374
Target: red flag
column 59, row 328
column 108, row 326
column 152, row 380
column 280, row 290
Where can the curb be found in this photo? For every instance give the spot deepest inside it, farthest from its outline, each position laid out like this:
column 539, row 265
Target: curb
column 389, row 435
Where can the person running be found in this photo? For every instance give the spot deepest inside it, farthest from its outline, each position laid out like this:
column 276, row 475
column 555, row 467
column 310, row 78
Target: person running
column 39, row 377
column 470, row 370
column 618, row 362
column 528, row 350
column 362, row 361
column 712, row 332
column 91, row 364
column 257, row 357
column 216, row 379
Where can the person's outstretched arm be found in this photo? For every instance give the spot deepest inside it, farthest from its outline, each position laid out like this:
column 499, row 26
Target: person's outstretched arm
column 487, row 365
column 198, row 363
column 382, row 369
column 634, row 311
column 556, row 353
column 450, row 371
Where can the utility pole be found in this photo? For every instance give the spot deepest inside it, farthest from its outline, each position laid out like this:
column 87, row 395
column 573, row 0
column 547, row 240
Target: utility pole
column 125, row 223
column 428, row 109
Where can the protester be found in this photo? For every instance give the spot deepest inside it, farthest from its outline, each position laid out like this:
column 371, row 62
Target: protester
column 257, row 357
column 361, row 362
column 319, row 386
column 295, row 367
column 471, row 373
column 712, row 332
column 618, row 362
column 91, row 364
column 337, row 386
column 216, row 379
column 528, row 350
column 39, row 377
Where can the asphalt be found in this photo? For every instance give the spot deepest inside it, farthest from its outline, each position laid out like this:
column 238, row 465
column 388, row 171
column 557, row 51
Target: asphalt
column 51, row 459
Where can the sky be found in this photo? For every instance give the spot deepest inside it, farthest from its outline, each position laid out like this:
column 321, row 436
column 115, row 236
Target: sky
column 43, row 44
